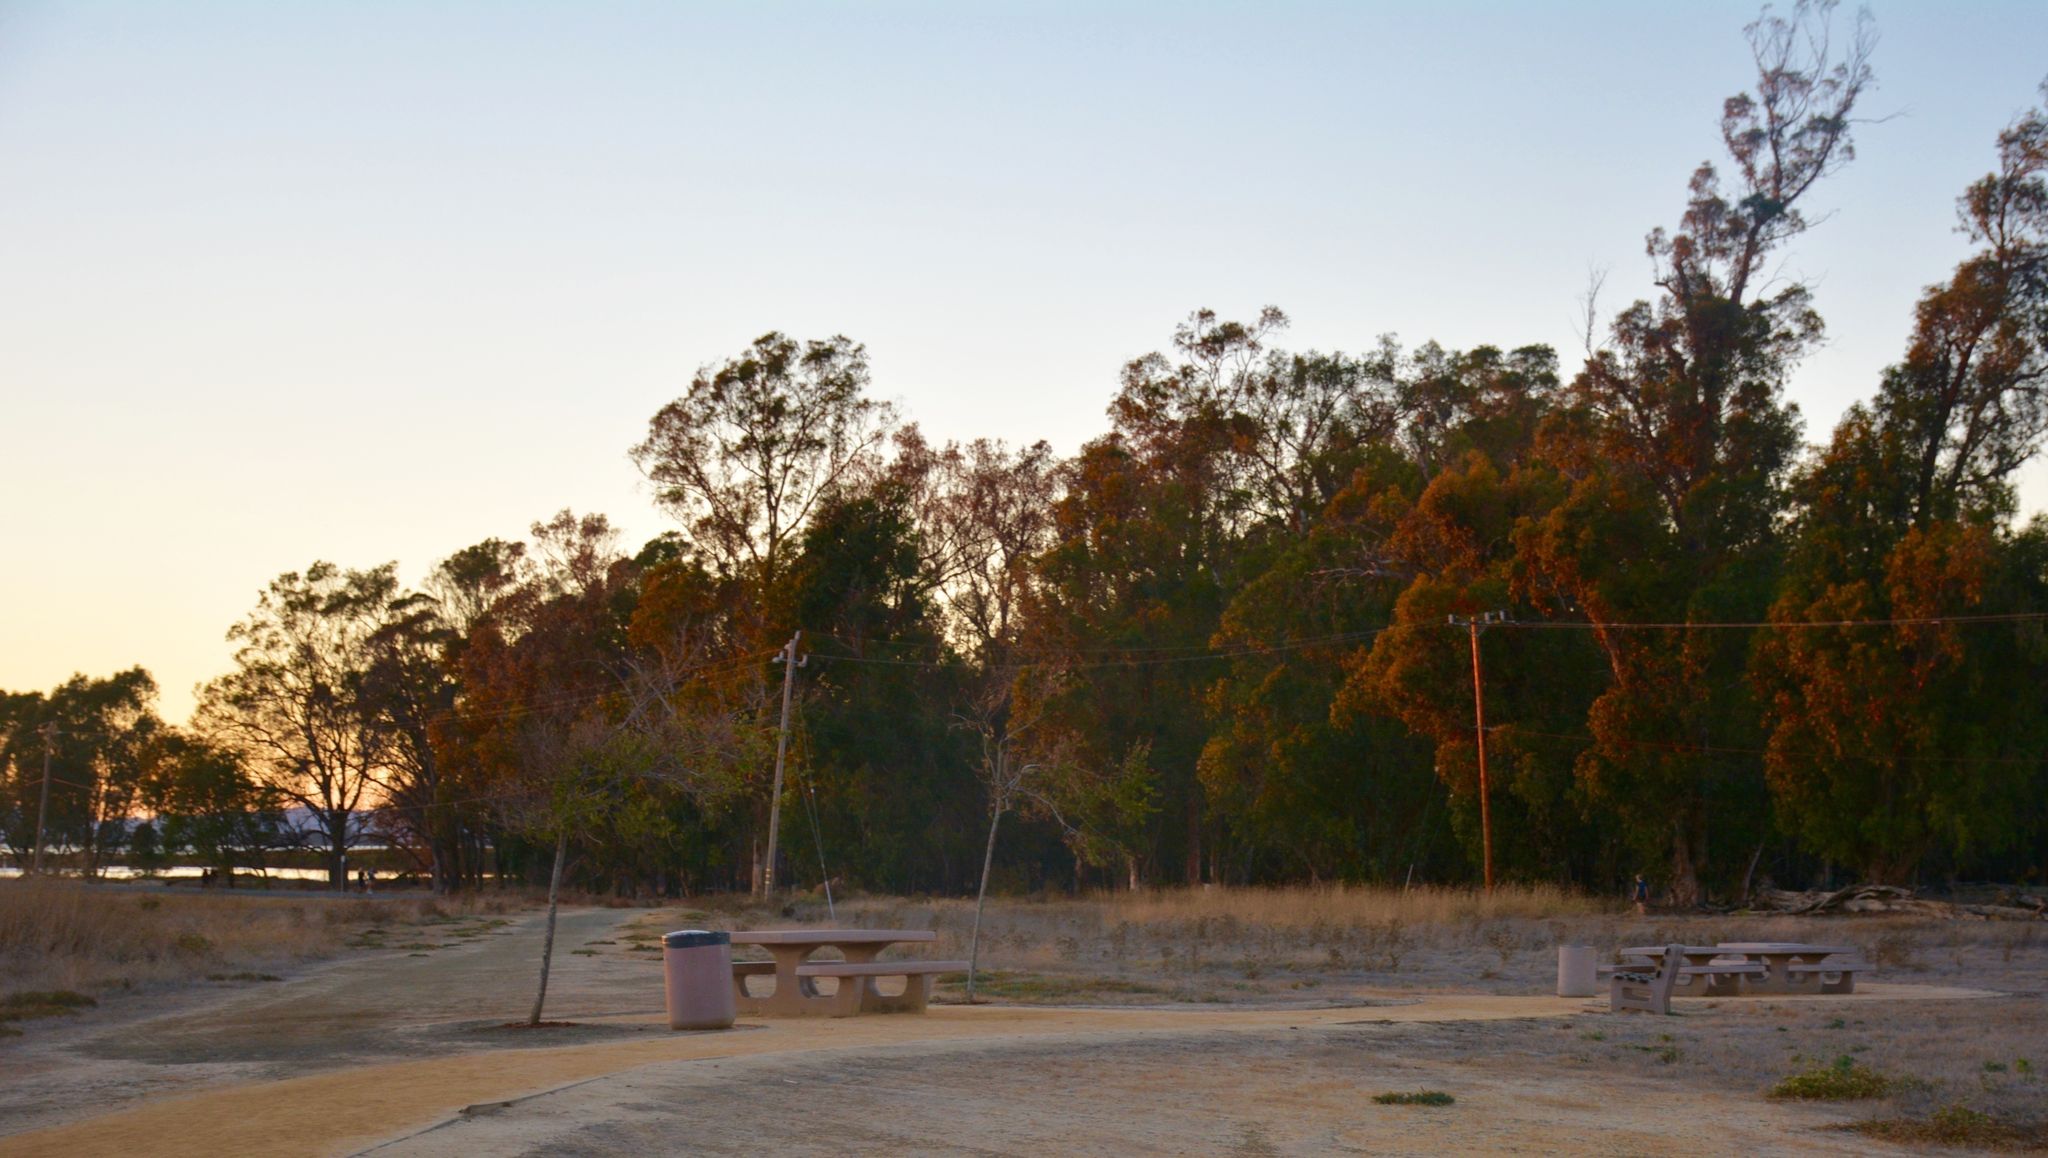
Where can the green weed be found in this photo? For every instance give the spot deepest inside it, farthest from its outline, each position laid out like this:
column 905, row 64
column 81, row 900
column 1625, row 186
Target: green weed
column 1844, row 1080
column 1417, row 1098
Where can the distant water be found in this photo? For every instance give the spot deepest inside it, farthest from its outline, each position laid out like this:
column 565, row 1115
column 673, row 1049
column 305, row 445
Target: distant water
column 191, row 872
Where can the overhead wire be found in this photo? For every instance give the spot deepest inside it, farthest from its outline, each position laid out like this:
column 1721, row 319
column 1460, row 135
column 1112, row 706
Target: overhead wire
column 1720, row 749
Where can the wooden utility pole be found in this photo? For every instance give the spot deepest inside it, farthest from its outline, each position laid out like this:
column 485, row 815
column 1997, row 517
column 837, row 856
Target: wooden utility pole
column 789, row 663
column 49, row 732
column 1472, row 624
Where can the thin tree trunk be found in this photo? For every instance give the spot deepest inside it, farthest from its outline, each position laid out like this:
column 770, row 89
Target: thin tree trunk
column 547, row 945
column 988, row 857
column 1749, row 875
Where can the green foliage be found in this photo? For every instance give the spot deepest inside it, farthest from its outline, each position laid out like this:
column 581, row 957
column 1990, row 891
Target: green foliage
column 1889, row 745
column 1415, row 1098
column 1844, row 1079
column 29, row 1004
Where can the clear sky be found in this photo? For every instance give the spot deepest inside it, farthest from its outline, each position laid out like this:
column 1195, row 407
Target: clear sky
column 369, row 281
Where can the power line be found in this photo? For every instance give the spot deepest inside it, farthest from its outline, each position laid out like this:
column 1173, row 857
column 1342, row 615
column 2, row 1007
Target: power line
column 1703, row 625
column 1213, row 653
column 1722, row 749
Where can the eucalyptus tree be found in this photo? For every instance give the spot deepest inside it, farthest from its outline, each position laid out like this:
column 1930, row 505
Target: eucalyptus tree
column 748, row 452
column 1892, row 744
column 1676, row 447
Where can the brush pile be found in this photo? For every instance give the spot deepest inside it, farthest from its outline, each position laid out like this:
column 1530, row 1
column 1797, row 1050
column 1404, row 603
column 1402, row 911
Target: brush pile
column 2009, row 905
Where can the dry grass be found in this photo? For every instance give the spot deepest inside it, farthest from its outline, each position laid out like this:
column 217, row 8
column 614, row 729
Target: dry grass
column 1958, row 1126
column 1332, row 942
column 1903, row 1062
column 1304, row 907
column 71, row 935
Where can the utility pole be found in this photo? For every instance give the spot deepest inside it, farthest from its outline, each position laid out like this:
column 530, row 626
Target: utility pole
column 1472, row 624
column 790, row 663
column 49, row 732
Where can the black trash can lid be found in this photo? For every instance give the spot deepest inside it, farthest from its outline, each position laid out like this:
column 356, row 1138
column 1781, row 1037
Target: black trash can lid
column 695, row 938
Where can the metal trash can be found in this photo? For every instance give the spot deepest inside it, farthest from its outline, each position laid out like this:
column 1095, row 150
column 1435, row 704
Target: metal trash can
column 1577, row 971
column 698, row 965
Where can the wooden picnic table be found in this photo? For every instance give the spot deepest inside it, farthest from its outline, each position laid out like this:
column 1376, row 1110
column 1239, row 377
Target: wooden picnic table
column 795, row 992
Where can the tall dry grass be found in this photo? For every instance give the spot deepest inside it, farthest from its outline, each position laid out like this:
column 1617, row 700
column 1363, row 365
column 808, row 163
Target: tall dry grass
column 1301, row 906
column 1322, row 943
column 62, row 934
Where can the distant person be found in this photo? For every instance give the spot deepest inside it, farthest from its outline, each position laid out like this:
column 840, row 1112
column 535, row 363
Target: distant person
column 369, row 881
column 1642, row 896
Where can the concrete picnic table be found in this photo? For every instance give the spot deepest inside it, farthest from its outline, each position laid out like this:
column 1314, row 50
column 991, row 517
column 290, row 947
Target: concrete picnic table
column 1698, row 961
column 1764, row 967
column 1791, row 963
column 795, row 993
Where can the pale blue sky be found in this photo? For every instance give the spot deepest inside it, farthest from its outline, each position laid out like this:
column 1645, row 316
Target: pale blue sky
column 376, row 280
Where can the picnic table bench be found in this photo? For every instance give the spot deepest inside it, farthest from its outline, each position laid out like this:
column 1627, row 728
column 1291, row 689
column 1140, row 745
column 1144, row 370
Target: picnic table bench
column 1645, row 985
column 796, row 993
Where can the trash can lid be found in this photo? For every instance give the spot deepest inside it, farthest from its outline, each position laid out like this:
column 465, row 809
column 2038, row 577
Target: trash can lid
column 695, row 938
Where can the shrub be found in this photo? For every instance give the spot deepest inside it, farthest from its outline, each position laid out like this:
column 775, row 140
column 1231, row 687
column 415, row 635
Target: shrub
column 1956, row 1125
column 50, row 1003
column 1845, row 1080
column 1416, row 1098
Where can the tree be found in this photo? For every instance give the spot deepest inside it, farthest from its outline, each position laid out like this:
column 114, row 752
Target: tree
column 1143, row 560
column 408, row 684
column 1889, row 743
column 295, row 706
column 206, row 803
column 1313, row 773
column 93, row 736
column 1675, row 447
column 745, row 456
column 1457, row 541
column 585, row 739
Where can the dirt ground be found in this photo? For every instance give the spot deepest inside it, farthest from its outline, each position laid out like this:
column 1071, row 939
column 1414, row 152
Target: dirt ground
column 404, row 1051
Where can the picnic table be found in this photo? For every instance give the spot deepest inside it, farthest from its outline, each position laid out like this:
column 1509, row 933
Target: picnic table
column 1760, row 968
column 1700, row 973
column 796, row 993
column 1793, row 967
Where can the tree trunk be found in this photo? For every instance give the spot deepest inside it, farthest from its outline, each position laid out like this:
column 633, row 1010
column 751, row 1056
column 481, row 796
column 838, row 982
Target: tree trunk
column 988, row 857
column 1685, row 880
column 547, row 945
column 1749, row 874
column 444, row 845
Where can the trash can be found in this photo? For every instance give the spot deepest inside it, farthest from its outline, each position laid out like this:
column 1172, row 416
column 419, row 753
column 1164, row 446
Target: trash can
column 698, row 965
column 1577, row 971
